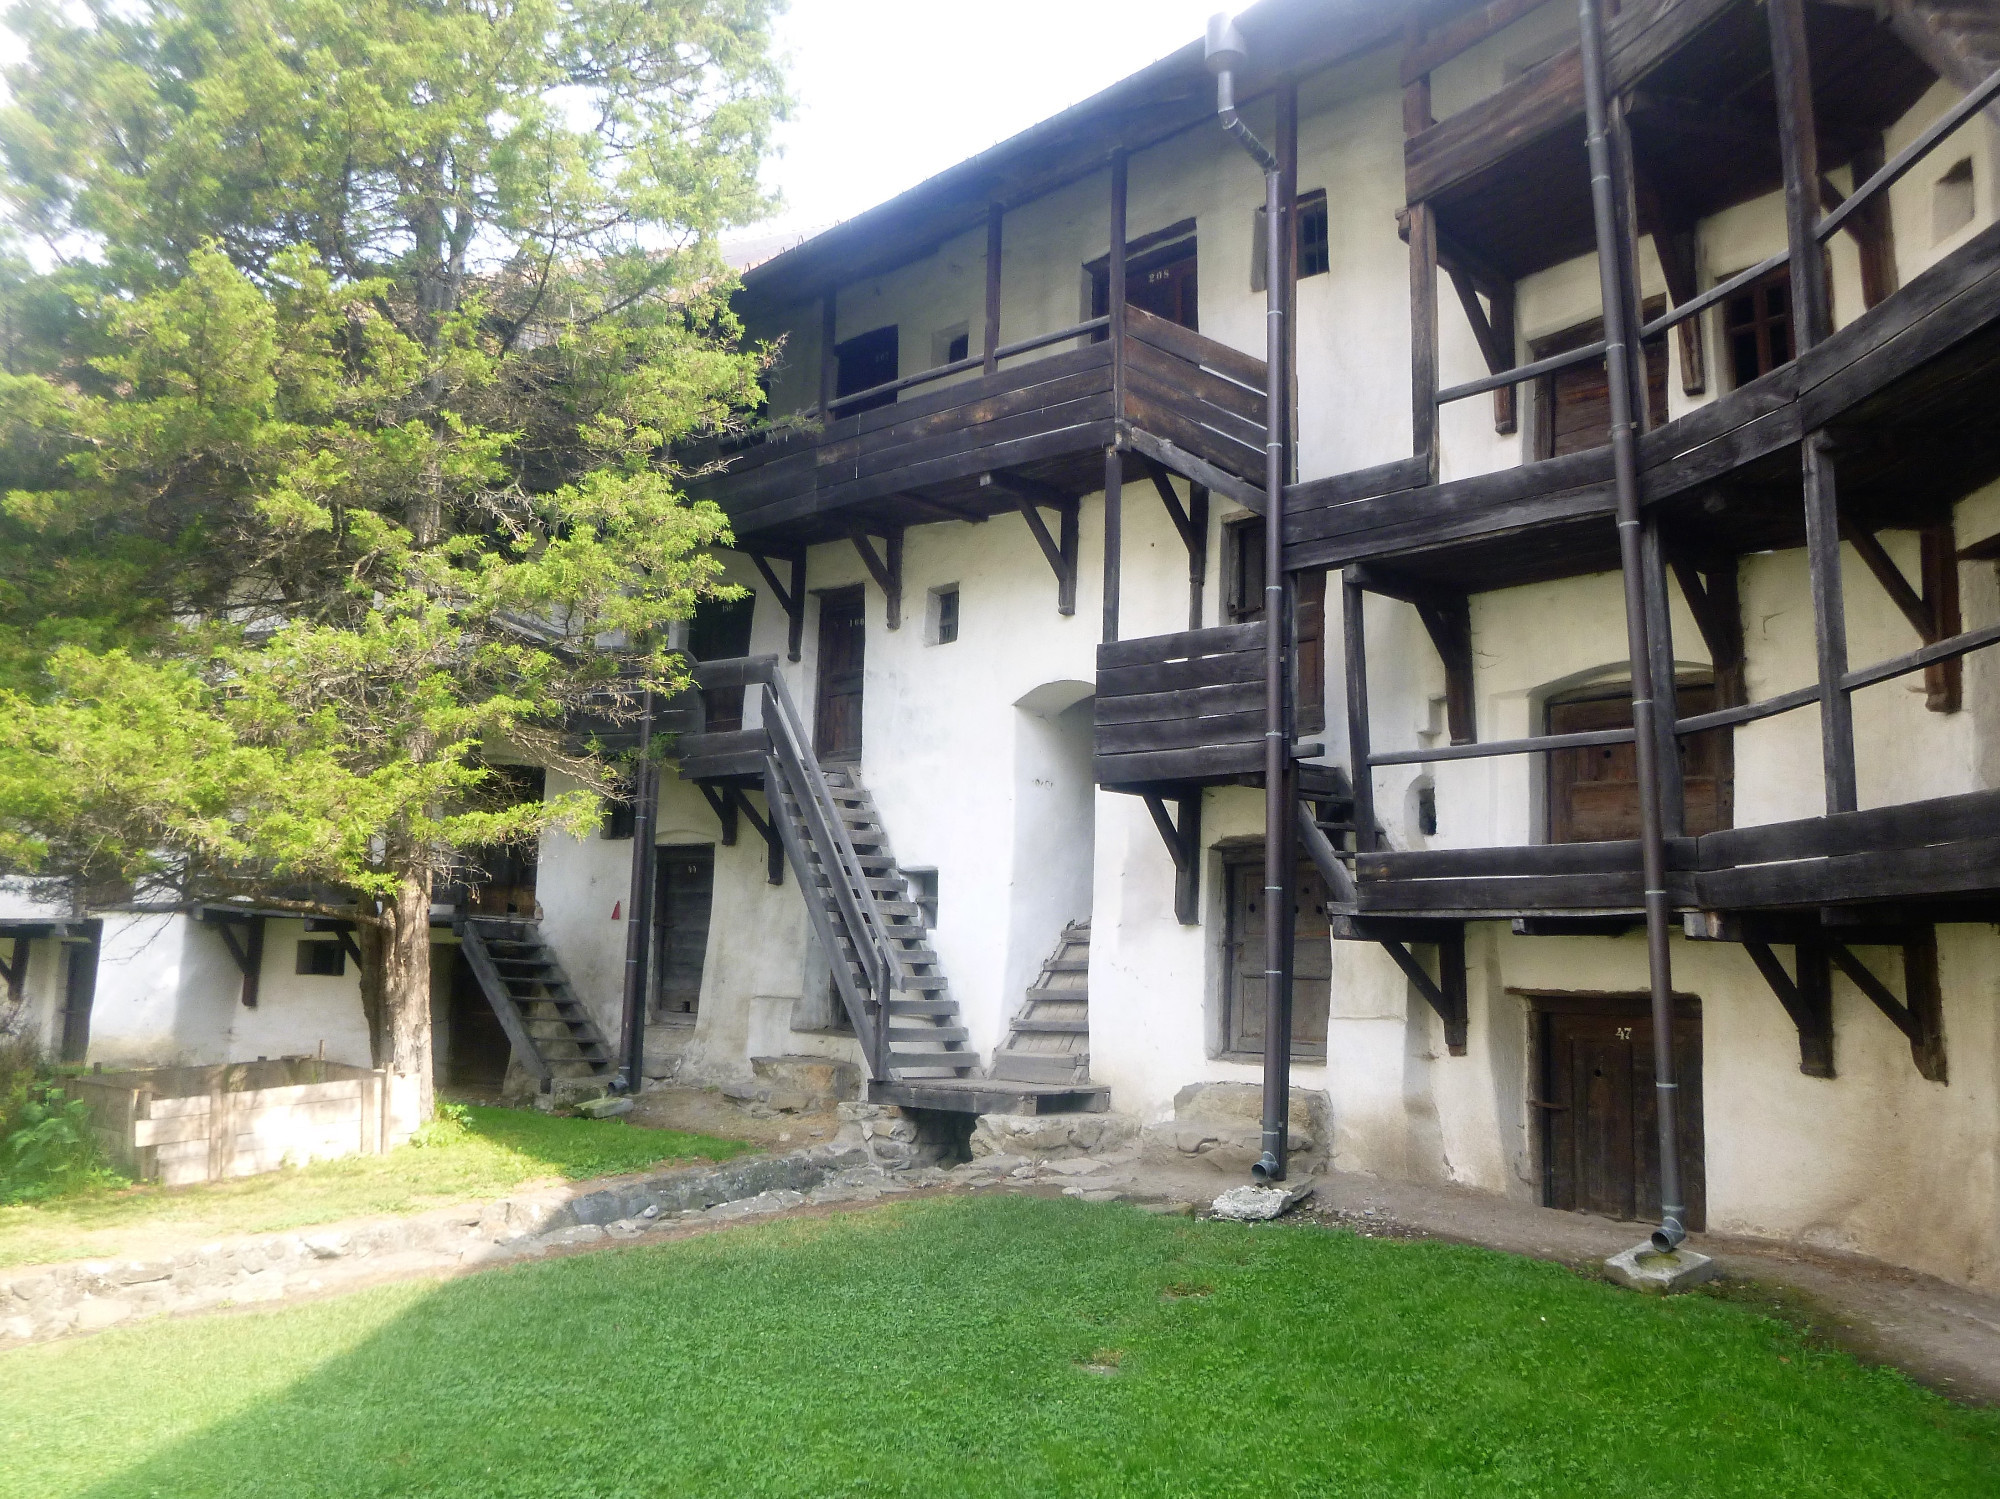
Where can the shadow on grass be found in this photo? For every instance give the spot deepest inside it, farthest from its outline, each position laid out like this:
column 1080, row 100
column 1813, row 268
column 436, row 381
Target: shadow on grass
column 985, row 1347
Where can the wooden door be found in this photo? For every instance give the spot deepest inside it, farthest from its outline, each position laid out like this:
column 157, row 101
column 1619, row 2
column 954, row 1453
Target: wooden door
column 1312, row 962
column 1243, row 602
column 1163, row 282
column 837, row 702
column 477, row 1049
column 720, row 631
column 1594, row 791
column 1600, row 1132
column 864, row 362
column 683, row 899
column 503, row 881
column 1573, row 406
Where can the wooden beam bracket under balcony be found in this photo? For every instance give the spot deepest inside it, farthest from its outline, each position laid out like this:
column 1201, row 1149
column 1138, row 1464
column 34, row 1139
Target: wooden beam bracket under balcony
column 1183, row 839
column 1031, row 496
column 1446, row 992
column 886, row 568
column 792, row 600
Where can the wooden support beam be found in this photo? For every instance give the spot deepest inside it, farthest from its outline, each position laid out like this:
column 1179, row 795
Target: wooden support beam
column 1446, row 993
column 829, row 361
column 1030, row 496
column 792, row 600
column 1198, row 553
column 1449, row 622
column 1798, row 144
column 249, row 953
column 1114, row 466
column 1495, row 345
column 1666, row 704
column 1675, row 242
column 886, row 569
column 1718, row 614
column 1426, row 52
column 994, row 214
column 1913, row 26
column 16, row 974
column 1836, row 711
column 345, row 935
column 1183, row 840
column 1890, row 576
column 1423, row 338
column 1944, row 682
column 1354, row 638
column 774, row 845
column 722, row 802
column 1921, row 1019
column 1808, row 1000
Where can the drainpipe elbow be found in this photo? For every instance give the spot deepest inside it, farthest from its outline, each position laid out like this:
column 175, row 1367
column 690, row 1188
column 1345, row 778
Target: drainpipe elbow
column 1670, row 1234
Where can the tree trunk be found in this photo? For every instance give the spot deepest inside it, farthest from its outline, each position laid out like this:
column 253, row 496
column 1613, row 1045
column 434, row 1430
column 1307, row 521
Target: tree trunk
column 406, row 987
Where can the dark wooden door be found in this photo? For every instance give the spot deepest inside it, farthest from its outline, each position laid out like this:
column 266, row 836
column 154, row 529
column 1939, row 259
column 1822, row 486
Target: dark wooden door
column 720, row 631
column 684, row 896
column 1163, row 282
column 1312, row 962
column 1594, row 791
column 864, row 362
column 502, row 883
column 837, row 703
column 1600, row 1135
column 1573, row 406
column 478, row 1049
column 1243, row 602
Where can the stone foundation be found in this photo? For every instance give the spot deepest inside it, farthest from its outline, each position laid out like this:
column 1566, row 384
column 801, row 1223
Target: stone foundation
column 1220, row 1125
column 796, row 1085
column 1051, row 1137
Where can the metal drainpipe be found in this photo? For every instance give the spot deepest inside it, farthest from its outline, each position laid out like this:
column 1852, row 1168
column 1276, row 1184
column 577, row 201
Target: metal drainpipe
column 638, row 929
column 1625, row 469
column 1225, row 53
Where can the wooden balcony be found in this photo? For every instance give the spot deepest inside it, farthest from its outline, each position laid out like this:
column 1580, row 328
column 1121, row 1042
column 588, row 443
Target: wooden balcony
column 1932, row 860
column 1908, row 387
column 1180, row 399
column 1178, row 710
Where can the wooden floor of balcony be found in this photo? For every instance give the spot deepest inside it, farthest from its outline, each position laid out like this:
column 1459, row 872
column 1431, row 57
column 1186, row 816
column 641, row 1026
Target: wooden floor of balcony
column 1908, row 389
column 1195, row 404
column 1937, row 860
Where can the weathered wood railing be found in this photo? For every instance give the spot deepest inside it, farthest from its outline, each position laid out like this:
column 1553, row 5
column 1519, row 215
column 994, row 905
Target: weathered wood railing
column 1182, row 708
column 1189, row 393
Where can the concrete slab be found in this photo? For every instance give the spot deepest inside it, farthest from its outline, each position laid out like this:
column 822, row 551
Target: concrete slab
column 1644, row 1268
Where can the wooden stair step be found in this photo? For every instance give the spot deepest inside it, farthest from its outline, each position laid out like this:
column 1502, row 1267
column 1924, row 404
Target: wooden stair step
column 919, row 1035
column 1067, row 965
column 1053, row 1027
column 1041, row 994
column 1041, row 1067
column 923, row 1007
column 932, row 981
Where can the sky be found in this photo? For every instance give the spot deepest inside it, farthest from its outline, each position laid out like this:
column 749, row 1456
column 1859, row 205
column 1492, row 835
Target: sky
column 889, row 92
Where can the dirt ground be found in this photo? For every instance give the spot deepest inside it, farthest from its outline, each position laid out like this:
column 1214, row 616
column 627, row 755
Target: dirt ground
column 708, row 1111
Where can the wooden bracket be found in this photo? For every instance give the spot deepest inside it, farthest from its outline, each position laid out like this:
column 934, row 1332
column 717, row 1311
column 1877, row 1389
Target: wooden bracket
column 341, row 931
column 1808, row 1000
column 1449, row 622
column 1921, row 1017
column 1445, row 993
column 249, row 953
column 885, row 568
column 1718, row 614
column 1029, row 495
column 1869, row 226
column 1933, row 613
column 1495, row 334
column 16, row 972
column 774, row 844
column 1192, row 523
column 792, row 600
column 722, row 802
column 1183, row 840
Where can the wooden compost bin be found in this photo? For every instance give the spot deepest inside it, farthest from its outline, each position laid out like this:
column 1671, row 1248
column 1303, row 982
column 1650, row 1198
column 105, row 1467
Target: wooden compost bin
column 177, row 1125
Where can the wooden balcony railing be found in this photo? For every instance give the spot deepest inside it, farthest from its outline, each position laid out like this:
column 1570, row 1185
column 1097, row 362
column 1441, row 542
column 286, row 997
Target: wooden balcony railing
column 1052, row 415
column 1180, row 709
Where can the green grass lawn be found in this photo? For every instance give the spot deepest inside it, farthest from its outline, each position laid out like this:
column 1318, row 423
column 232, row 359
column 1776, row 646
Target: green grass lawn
column 985, row 1346
column 501, row 1149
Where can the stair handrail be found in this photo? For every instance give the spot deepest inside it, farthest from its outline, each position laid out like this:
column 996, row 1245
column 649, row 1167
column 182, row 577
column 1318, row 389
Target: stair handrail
column 858, row 906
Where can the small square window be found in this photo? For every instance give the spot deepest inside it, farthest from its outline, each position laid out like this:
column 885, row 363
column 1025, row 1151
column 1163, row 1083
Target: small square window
column 958, row 348
column 924, row 891
column 1315, row 237
column 620, row 813
column 941, row 628
column 323, row 960
column 949, row 345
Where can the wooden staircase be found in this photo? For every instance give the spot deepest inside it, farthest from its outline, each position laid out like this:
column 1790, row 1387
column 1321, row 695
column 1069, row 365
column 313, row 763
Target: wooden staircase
column 1049, row 1040
column 551, row 1029
column 926, row 1038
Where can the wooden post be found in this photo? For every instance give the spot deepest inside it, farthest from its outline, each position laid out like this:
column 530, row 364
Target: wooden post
column 1506, row 410
column 1925, row 1001
column 145, row 1159
column 993, row 217
column 1355, row 639
column 829, row 361
column 1423, row 337
column 1944, row 682
column 1666, row 710
column 1873, row 230
column 218, row 1123
column 1836, row 710
column 1626, row 218
column 1114, row 468
column 1198, row 553
column 1798, row 144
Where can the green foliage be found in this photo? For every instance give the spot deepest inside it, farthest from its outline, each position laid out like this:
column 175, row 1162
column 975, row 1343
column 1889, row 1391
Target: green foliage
column 946, row 1348
column 47, row 1149
column 470, row 1153
column 334, row 450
